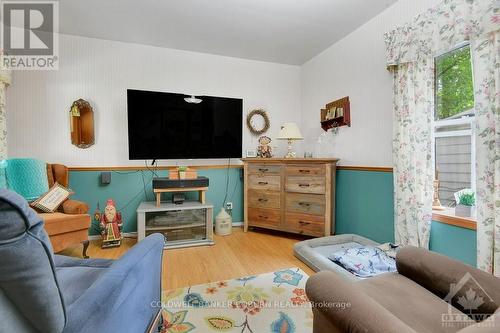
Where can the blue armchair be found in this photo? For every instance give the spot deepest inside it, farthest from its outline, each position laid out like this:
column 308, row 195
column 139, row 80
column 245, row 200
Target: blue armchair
column 42, row 292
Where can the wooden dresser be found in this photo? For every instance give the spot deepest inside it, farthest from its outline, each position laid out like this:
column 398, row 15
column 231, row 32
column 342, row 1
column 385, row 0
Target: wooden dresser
column 293, row 195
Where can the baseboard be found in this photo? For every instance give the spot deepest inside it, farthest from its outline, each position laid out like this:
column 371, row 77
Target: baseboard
column 134, row 234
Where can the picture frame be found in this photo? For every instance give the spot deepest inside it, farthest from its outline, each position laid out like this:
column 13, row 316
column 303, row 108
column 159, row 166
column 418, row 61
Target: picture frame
column 251, row 153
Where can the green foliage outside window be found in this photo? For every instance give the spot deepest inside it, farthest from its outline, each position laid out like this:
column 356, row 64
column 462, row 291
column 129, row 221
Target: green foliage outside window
column 454, row 83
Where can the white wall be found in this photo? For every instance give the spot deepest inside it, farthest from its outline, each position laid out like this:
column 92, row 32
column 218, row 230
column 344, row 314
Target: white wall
column 355, row 67
column 100, row 71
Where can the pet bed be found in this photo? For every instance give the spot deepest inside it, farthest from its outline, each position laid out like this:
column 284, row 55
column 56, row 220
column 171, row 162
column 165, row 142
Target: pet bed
column 315, row 252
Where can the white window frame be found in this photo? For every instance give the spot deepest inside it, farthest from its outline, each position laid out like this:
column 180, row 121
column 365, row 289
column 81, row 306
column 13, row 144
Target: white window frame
column 466, row 120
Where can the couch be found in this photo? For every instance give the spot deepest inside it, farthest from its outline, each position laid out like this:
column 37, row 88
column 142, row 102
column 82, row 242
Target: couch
column 46, row 293
column 430, row 293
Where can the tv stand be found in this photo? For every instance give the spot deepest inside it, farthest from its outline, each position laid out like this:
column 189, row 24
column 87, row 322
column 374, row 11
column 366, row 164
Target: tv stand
column 186, row 225
column 166, row 185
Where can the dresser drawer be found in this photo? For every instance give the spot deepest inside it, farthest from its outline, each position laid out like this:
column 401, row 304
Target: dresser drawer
column 263, row 199
column 264, row 182
column 309, row 184
column 305, row 203
column 305, row 224
column 305, row 170
column 264, row 217
column 264, row 169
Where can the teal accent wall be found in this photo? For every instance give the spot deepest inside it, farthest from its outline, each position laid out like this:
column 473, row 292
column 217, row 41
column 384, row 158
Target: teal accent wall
column 364, row 204
column 455, row 242
column 130, row 188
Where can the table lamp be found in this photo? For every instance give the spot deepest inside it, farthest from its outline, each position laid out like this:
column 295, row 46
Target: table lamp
column 290, row 132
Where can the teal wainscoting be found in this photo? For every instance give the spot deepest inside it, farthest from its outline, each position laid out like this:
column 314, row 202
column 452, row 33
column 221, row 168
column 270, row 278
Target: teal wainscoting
column 455, row 242
column 364, row 204
column 128, row 190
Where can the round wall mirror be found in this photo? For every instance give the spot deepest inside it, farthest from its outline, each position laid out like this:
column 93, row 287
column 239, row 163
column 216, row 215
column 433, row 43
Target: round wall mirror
column 81, row 118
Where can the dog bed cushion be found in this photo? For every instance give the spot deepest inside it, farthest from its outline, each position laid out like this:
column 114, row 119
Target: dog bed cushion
column 315, row 252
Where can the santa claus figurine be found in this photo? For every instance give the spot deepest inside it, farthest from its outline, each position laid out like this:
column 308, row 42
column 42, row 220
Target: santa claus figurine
column 111, row 226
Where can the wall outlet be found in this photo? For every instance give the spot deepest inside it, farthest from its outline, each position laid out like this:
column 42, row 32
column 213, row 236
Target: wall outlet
column 229, row 205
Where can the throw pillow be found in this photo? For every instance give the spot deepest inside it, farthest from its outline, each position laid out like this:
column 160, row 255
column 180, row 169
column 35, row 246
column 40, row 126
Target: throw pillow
column 27, row 177
column 50, row 201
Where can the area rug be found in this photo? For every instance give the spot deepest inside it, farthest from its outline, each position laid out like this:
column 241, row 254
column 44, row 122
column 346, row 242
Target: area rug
column 271, row 302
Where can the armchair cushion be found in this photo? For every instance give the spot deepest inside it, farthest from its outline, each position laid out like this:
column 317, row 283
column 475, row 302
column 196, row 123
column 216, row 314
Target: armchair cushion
column 74, row 281
column 124, row 297
column 65, row 229
column 409, row 302
column 71, row 206
column 27, row 268
column 490, row 327
column 328, row 290
column 437, row 273
column 53, row 294
column 57, row 173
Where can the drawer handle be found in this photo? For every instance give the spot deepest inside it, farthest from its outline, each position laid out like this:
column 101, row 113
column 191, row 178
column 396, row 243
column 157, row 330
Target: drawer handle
column 304, row 171
column 263, row 217
column 263, row 183
column 263, row 200
column 304, row 223
column 304, row 204
column 304, row 185
column 263, row 169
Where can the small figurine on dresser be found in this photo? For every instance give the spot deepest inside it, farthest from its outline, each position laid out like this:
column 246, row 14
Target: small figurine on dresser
column 111, row 226
column 264, row 149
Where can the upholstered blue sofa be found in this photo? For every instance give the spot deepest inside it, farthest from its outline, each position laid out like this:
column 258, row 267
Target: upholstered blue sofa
column 47, row 293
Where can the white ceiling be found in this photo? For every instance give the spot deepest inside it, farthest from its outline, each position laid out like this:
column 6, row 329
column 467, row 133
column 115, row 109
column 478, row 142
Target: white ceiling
column 282, row 31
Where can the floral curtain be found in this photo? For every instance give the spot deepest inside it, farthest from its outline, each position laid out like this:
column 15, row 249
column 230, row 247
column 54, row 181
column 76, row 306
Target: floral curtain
column 410, row 52
column 4, row 83
column 486, row 55
column 441, row 28
column 412, row 151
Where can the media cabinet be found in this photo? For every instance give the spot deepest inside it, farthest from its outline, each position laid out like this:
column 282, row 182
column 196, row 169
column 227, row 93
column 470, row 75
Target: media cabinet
column 188, row 224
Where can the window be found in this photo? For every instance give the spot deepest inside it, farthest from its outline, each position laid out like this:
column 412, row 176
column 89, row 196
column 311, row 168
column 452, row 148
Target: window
column 454, row 123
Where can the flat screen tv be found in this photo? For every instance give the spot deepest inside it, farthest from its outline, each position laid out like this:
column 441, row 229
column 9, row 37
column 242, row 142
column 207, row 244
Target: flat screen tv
column 165, row 126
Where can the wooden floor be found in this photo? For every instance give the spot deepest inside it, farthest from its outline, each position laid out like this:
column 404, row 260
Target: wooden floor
column 233, row 256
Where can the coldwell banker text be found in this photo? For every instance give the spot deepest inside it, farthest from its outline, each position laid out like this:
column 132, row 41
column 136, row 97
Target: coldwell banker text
column 30, row 39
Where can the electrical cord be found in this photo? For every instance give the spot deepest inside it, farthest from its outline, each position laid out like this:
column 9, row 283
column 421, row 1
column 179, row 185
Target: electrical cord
column 227, row 182
column 144, row 185
column 151, row 170
column 136, row 195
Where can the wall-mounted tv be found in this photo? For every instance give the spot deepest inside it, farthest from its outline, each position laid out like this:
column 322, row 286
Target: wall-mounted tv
column 165, row 126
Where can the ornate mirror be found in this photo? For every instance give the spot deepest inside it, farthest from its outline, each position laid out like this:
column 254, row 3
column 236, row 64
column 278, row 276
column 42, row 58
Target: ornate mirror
column 81, row 119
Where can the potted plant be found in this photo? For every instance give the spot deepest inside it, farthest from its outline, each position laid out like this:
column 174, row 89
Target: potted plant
column 465, row 203
column 182, row 172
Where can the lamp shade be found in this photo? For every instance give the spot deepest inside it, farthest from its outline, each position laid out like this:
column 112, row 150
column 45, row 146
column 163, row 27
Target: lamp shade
column 290, row 131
